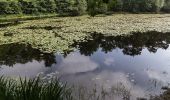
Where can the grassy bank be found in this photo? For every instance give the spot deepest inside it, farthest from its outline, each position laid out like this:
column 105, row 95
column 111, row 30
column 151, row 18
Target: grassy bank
column 58, row 33
column 21, row 17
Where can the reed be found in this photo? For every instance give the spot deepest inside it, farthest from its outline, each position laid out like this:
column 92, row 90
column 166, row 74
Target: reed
column 33, row 89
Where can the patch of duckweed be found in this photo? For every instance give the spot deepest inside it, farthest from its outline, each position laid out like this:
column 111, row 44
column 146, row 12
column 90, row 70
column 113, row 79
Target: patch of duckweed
column 57, row 34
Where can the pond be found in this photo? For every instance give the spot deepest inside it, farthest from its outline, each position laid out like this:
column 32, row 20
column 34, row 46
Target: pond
column 140, row 62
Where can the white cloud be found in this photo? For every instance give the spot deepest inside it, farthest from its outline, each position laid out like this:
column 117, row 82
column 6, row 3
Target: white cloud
column 29, row 69
column 107, row 80
column 75, row 63
column 109, row 61
column 160, row 76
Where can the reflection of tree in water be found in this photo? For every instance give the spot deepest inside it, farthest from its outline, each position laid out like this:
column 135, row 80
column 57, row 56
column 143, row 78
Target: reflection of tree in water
column 11, row 54
column 131, row 45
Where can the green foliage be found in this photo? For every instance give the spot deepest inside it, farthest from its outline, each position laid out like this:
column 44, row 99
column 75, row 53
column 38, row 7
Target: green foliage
column 115, row 5
column 14, row 7
column 96, row 7
column 80, row 7
column 92, row 7
column 146, row 6
column 4, row 8
column 71, row 7
column 158, row 4
column 62, row 6
column 166, row 7
column 28, row 7
column 32, row 89
column 136, row 5
column 9, row 7
column 46, row 6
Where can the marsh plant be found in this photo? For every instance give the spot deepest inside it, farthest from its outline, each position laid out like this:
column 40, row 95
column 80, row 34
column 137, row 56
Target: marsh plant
column 32, row 89
column 53, row 35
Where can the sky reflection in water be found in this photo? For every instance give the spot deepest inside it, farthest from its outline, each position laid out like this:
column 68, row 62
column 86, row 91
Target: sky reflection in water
column 141, row 62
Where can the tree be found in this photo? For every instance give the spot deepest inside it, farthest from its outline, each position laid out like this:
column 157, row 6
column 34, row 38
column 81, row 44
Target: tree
column 47, row 6
column 166, row 6
column 71, row 7
column 115, row 5
column 28, row 7
column 96, row 7
column 158, row 4
column 82, row 6
column 4, row 8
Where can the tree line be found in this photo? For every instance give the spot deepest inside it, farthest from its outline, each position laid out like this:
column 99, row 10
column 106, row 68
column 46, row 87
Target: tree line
column 80, row 7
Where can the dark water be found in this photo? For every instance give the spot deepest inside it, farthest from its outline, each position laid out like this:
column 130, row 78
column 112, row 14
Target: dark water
column 141, row 62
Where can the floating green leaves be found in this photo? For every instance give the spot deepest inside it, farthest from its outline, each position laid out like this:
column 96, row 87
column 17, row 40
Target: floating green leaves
column 57, row 34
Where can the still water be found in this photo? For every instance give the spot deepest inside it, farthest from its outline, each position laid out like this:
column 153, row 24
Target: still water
column 140, row 62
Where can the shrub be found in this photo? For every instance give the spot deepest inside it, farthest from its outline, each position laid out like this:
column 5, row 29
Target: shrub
column 146, row 5
column 28, row 7
column 92, row 7
column 166, row 7
column 82, row 6
column 102, row 8
column 46, row 6
column 9, row 7
column 136, row 5
column 71, row 7
column 4, row 8
column 96, row 7
column 79, row 7
column 14, row 7
column 63, row 7
column 157, row 5
column 115, row 5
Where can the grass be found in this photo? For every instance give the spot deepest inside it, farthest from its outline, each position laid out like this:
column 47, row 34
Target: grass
column 32, row 89
column 21, row 17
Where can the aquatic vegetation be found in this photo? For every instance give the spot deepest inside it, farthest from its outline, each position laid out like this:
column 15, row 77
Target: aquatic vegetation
column 32, row 89
column 57, row 34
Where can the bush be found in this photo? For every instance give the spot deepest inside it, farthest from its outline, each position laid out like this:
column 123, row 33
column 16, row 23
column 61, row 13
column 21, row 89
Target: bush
column 14, row 8
column 157, row 5
column 82, row 6
column 79, row 7
column 166, row 7
column 115, row 5
column 96, row 7
column 102, row 8
column 136, row 5
column 146, row 5
column 92, row 7
column 9, row 7
column 28, row 7
column 71, row 7
column 4, row 8
column 46, row 6
column 63, row 7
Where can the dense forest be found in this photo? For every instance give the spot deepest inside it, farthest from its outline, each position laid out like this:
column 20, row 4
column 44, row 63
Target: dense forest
column 80, row 7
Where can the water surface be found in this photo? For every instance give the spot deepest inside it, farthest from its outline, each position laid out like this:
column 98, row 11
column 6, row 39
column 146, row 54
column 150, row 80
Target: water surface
column 140, row 62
